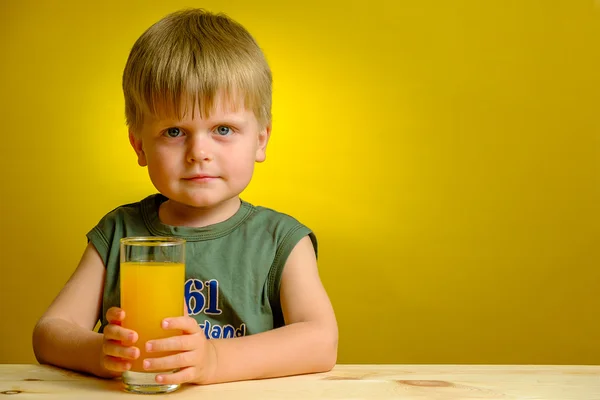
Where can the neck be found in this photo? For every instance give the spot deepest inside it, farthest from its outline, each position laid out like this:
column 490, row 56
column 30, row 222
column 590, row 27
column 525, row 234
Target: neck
column 178, row 214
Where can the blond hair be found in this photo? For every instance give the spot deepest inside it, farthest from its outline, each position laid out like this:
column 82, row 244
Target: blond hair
column 187, row 59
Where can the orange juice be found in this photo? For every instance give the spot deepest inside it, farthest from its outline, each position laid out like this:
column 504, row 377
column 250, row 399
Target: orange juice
column 150, row 292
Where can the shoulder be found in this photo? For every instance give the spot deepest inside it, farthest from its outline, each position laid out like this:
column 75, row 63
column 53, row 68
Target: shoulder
column 276, row 222
column 271, row 218
column 117, row 223
column 284, row 229
column 124, row 214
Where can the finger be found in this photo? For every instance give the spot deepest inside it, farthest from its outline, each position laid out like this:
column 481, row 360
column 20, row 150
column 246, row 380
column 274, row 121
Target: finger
column 179, row 360
column 115, row 315
column 185, row 310
column 176, row 343
column 182, row 376
column 115, row 349
column 116, row 364
column 127, row 337
column 186, row 324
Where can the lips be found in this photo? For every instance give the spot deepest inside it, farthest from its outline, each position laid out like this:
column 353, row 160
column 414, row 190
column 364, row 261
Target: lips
column 201, row 178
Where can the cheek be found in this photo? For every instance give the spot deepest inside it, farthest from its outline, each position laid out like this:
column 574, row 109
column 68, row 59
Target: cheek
column 161, row 163
column 242, row 166
column 161, row 157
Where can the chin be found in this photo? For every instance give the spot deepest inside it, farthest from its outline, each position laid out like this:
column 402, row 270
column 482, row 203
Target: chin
column 202, row 202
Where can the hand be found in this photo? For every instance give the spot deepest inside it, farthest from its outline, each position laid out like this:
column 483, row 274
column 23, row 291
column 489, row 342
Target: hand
column 117, row 347
column 196, row 357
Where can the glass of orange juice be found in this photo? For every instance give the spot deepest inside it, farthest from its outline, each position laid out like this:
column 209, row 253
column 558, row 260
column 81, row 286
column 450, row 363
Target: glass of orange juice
column 152, row 281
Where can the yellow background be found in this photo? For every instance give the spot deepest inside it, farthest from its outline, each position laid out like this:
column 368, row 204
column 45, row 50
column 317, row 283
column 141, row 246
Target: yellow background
column 445, row 152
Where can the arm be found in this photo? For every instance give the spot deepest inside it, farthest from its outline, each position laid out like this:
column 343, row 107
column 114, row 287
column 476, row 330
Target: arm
column 307, row 344
column 64, row 334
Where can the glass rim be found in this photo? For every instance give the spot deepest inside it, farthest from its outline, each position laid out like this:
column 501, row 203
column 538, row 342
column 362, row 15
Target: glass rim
column 152, row 241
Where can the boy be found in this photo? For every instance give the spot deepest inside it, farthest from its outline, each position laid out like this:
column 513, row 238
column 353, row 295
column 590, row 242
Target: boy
column 198, row 106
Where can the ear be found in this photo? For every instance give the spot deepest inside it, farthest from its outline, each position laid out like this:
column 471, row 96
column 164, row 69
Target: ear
column 263, row 140
column 136, row 143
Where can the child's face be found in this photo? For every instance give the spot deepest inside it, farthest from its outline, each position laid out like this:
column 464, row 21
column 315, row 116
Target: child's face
column 201, row 162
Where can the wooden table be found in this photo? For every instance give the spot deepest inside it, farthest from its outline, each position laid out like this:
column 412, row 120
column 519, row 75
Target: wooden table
column 409, row 382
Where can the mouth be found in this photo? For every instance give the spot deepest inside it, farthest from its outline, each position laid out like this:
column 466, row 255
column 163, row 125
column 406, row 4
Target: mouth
column 201, row 178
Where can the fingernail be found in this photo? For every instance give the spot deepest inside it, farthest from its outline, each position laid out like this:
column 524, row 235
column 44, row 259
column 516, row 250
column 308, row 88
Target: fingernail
column 165, row 324
column 130, row 337
column 148, row 346
column 146, row 364
column 159, row 379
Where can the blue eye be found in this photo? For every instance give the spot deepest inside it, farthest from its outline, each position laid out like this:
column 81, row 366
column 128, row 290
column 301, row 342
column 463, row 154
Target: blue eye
column 173, row 132
column 223, row 130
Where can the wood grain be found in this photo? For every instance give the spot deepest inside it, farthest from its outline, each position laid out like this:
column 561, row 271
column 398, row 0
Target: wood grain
column 408, row 382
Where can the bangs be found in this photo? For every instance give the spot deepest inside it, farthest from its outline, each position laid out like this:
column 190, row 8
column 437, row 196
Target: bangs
column 177, row 94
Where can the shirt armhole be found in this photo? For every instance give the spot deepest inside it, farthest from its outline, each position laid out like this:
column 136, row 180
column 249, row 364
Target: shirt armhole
column 286, row 246
column 100, row 242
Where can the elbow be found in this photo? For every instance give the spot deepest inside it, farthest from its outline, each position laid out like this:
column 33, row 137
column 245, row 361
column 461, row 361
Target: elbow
column 37, row 341
column 333, row 352
column 329, row 360
column 41, row 339
column 329, row 350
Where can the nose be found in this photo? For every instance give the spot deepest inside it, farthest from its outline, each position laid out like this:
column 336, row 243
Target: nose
column 198, row 149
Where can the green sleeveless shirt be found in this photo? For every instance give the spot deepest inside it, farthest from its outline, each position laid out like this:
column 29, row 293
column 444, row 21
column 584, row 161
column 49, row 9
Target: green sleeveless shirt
column 233, row 268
